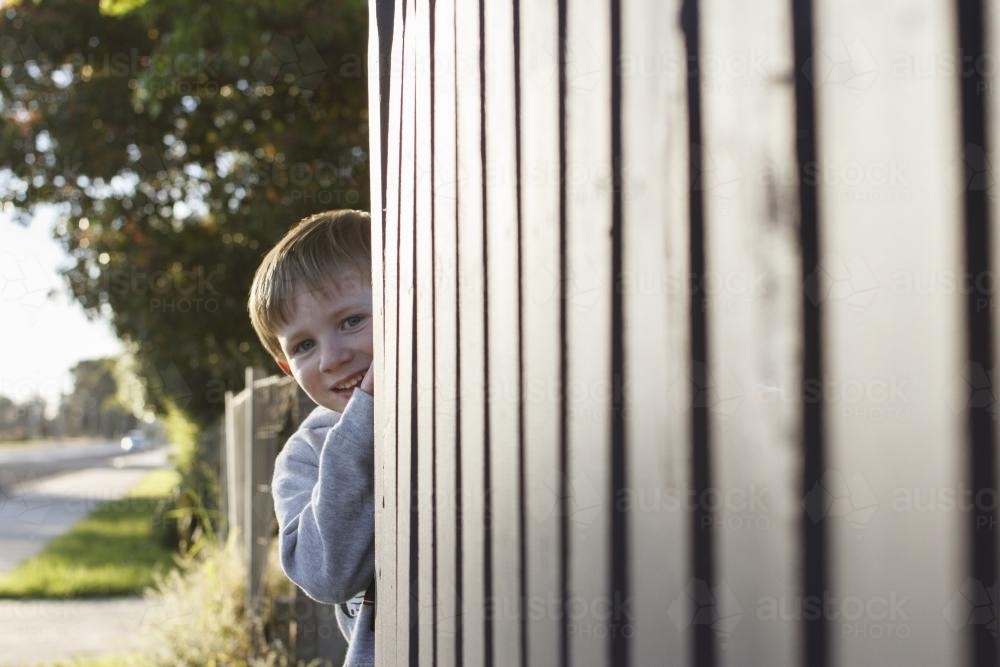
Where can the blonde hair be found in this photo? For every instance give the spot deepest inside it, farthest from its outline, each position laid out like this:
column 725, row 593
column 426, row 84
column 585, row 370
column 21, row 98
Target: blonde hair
column 314, row 254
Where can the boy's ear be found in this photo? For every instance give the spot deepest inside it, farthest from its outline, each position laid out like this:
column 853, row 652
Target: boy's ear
column 283, row 365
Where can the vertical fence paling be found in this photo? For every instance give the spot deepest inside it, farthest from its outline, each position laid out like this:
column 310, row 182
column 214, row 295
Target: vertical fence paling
column 225, row 503
column 271, row 409
column 235, row 464
column 247, row 445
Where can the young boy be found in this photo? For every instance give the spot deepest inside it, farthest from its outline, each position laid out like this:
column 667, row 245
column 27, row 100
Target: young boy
column 311, row 306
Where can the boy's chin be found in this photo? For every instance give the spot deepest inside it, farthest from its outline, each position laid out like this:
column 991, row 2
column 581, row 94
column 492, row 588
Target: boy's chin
column 335, row 403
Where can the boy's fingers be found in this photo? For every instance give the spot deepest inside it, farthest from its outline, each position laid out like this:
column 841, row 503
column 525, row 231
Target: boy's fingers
column 368, row 382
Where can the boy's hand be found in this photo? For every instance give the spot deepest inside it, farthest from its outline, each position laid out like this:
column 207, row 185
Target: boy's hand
column 368, row 382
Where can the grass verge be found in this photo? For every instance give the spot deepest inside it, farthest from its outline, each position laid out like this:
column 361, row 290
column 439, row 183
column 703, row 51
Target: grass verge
column 114, row 551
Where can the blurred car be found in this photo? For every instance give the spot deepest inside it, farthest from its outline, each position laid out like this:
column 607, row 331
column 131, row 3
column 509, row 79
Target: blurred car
column 134, row 440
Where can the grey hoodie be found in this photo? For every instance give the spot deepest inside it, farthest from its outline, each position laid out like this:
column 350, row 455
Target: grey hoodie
column 324, row 498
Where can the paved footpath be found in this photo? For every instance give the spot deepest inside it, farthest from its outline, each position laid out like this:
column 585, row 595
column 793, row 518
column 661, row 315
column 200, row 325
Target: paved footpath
column 32, row 512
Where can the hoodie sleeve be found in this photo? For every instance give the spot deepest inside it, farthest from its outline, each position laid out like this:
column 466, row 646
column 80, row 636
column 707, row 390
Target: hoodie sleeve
column 325, row 505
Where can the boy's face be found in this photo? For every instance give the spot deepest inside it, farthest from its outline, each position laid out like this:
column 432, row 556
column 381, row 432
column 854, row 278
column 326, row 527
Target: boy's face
column 328, row 341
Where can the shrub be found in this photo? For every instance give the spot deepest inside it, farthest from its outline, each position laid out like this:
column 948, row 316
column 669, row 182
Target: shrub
column 191, row 513
column 196, row 615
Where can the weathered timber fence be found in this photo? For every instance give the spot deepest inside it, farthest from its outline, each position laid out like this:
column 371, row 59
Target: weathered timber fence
column 258, row 421
column 686, row 338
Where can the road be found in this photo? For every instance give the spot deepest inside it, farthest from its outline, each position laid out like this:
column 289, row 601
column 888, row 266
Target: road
column 40, row 498
column 43, row 492
column 31, row 462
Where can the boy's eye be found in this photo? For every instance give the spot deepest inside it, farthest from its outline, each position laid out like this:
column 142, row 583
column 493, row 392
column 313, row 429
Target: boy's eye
column 353, row 321
column 304, row 346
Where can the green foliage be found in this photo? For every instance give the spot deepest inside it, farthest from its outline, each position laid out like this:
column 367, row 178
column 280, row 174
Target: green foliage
column 190, row 514
column 176, row 141
column 205, row 620
column 183, row 435
column 117, row 7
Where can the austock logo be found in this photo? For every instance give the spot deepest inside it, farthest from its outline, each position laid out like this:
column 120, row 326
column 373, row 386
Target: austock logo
column 836, row 496
column 188, row 72
column 875, row 398
column 431, row 175
column 848, row 64
column 734, row 508
column 168, row 385
column 716, row 390
column 43, row 621
column 973, row 605
column 23, row 280
column 299, row 65
column 145, row 610
column 583, row 501
column 14, row 59
column 581, row 63
column 432, row 601
column 147, row 160
column 860, row 617
column 21, row 497
column 711, row 170
column 973, row 388
column 971, row 170
column 582, row 283
column 851, row 282
column 701, row 604
column 432, row 400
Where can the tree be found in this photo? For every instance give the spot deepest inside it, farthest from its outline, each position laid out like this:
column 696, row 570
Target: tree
column 94, row 407
column 177, row 141
column 23, row 419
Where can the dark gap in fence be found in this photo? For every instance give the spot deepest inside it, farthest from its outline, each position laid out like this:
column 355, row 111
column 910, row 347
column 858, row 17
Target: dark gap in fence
column 414, row 578
column 564, row 554
column 522, row 553
column 487, row 466
column 815, row 576
column 433, row 382
column 385, row 17
column 619, row 645
column 459, row 581
column 982, row 453
column 702, row 566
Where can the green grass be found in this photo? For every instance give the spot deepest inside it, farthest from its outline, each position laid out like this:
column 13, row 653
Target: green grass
column 114, row 551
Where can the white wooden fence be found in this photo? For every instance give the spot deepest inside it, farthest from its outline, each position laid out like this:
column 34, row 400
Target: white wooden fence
column 686, row 350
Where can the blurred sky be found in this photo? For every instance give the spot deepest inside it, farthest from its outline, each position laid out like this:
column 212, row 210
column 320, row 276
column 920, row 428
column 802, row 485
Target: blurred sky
column 42, row 336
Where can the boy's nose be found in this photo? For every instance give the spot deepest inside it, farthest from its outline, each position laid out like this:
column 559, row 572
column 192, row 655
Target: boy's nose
column 333, row 357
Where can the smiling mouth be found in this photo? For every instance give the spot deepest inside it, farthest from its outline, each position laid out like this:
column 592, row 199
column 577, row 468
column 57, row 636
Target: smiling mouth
column 350, row 385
